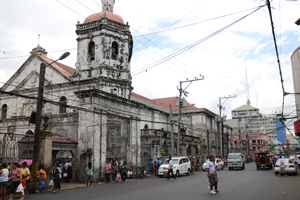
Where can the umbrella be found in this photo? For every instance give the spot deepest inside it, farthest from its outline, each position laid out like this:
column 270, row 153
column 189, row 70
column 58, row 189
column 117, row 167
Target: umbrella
column 277, row 157
column 29, row 162
column 271, row 154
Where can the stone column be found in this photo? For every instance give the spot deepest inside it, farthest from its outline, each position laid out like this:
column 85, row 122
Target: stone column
column 96, row 162
column 103, row 141
column 47, row 153
column 74, row 164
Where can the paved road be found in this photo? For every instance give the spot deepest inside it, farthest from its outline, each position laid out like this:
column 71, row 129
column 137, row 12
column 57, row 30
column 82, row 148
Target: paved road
column 237, row 184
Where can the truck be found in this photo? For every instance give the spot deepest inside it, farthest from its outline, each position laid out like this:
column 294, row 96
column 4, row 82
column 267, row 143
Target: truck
column 236, row 160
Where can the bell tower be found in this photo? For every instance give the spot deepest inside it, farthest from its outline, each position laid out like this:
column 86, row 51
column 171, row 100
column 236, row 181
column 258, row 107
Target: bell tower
column 104, row 51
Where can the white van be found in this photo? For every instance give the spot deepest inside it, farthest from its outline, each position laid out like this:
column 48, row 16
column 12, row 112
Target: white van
column 236, row 160
column 181, row 165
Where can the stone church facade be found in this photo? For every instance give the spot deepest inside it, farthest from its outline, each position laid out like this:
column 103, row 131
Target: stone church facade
column 97, row 107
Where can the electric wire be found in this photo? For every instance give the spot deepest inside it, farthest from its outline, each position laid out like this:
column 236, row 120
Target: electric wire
column 190, row 46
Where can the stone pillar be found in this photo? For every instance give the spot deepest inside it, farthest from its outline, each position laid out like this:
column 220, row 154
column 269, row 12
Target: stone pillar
column 138, row 143
column 74, row 164
column 96, row 162
column 47, row 153
column 132, row 151
column 103, row 136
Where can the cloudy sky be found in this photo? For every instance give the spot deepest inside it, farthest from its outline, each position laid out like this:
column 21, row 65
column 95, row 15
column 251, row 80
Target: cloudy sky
column 176, row 24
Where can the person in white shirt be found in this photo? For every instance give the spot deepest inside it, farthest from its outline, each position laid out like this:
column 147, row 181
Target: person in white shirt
column 67, row 165
column 282, row 167
column 212, row 174
column 170, row 168
column 3, row 180
column 298, row 161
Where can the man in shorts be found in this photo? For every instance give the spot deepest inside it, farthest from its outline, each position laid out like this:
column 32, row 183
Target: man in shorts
column 282, row 167
column 212, row 174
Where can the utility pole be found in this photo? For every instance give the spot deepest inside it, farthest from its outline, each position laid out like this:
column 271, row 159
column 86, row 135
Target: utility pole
column 37, row 130
column 239, row 130
column 222, row 119
column 172, row 133
column 181, row 91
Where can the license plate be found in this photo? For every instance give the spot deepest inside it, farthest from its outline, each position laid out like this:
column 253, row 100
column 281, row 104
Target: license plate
column 234, row 165
column 285, row 165
column 165, row 173
column 262, row 165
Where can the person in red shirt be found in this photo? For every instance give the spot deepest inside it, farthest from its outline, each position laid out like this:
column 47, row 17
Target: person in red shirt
column 155, row 168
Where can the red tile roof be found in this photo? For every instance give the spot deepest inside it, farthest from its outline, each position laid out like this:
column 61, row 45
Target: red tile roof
column 56, row 138
column 69, row 71
column 109, row 15
column 164, row 102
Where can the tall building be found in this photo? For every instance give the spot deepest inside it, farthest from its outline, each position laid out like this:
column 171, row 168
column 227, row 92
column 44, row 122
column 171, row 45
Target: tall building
column 295, row 60
column 247, row 119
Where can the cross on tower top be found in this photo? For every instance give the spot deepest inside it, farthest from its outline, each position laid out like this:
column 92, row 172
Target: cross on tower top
column 108, row 5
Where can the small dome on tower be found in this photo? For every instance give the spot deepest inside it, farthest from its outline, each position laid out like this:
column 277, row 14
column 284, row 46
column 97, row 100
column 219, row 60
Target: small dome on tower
column 109, row 15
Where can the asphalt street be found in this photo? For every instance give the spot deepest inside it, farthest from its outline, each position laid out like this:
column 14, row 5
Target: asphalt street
column 234, row 184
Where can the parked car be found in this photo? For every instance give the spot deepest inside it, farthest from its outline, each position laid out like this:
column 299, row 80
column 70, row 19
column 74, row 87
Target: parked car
column 290, row 166
column 236, row 160
column 219, row 164
column 181, row 165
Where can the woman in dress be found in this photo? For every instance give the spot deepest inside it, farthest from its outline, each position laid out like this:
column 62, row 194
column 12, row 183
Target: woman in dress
column 3, row 180
column 107, row 170
column 89, row 174
column 16, row 180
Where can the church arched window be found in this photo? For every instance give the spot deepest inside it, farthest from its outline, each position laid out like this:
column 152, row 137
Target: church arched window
column 114, row 51
column 62, row 104
column 91, row 52
column 4, row 111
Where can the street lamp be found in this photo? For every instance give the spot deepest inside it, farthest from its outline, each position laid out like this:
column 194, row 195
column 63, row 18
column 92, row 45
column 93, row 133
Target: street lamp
column 39, row 107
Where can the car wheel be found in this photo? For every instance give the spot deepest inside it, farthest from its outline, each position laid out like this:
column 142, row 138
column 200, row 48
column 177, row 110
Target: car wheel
column 243, row 166
column 223, row 167
column 229, row 168
column 257, row 167
column 188, row 172
column 177, row 173
column 295, row 172
column 276, row 173
column 160, row 176
column 216, row 168
column 270, row 167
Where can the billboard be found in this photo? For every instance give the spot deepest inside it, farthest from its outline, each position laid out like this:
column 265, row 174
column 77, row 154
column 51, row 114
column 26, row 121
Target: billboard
column 280, row 131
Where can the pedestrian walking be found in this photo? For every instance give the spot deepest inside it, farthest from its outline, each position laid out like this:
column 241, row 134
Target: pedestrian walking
column 16, row 180
column 114, row 171
column 151, row 164
column 3, row 180
column 159, row 163
column 298, row 161
column 193, row 165
column 170, row 168
column 89, row 174
column 124, row 169
column 107, row 171
column 212, row 174
column 282, row 167
column 42, row 177
column 25, row 174
column 55, row 176
column 155, row 169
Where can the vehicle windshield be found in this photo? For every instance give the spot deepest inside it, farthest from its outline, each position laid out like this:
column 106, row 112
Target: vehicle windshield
column 206, row 161
column 175, row 161
column 234, row 157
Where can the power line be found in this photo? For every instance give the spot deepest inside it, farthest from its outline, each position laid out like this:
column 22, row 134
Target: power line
column 190, row 46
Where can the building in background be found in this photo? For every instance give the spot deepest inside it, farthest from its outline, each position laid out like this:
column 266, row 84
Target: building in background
column 248, row 119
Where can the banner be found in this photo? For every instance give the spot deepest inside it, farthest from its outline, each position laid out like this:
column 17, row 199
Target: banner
column 280, row 132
